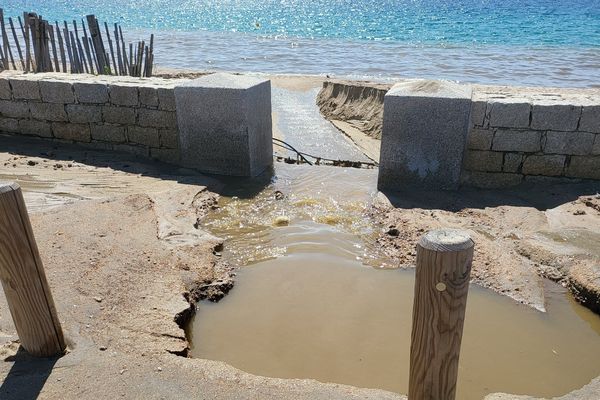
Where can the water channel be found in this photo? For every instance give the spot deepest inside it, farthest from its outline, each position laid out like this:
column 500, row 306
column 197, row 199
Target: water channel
column 314, row 299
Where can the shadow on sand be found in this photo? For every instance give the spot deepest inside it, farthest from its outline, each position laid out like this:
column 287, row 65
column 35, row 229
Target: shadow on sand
column 130, row 163
column 27, row 376
column 539, row 196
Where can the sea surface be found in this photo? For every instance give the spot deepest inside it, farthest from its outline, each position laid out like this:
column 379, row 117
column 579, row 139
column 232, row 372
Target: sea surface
column 524, row 42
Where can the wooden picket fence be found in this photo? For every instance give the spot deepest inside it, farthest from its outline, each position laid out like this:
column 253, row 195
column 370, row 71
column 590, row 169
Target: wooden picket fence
column 43, row 47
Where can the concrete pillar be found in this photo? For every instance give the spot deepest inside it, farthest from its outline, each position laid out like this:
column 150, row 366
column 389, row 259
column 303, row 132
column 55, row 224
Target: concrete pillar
column 425, row 125
column 224, row 123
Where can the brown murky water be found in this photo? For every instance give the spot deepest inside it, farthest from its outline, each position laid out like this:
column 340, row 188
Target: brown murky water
column 309, row 304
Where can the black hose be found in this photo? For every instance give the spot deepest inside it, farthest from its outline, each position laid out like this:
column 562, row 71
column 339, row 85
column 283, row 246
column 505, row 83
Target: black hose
column 281, row 143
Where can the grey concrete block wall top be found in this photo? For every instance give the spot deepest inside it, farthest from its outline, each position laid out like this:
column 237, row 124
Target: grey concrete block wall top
column 225, row 124
column 425, row 125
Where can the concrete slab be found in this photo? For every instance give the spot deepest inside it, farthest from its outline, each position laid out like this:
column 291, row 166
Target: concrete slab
column 225, row 124
column 425, row 125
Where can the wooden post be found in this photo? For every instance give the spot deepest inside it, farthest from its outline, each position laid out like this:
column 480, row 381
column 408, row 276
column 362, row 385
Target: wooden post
column 23, row 279
column 444, row 260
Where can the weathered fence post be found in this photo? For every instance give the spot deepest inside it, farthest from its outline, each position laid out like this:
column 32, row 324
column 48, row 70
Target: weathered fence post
column 442, row 282
column 23, row 279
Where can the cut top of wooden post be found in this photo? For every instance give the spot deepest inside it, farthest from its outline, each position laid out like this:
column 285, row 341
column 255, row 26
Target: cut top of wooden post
column 446, row 240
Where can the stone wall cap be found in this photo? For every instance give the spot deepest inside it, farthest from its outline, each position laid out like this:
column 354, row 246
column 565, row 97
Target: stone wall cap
column 430, row 88
column 223, row 80
column 153, row 82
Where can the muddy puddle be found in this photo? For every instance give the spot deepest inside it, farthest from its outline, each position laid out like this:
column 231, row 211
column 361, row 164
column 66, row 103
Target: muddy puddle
column 315, row 300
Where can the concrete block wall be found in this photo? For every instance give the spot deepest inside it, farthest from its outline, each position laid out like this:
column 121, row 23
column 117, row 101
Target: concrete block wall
column 113, row 113
column 519, row 135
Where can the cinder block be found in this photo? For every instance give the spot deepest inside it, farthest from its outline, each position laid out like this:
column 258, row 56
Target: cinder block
column 5, row 93
column 166, row 99
column 157, row 118
column 584, row 167
column 510, row 113
column 478, row 112
column 108, row 133
column 95, row 93
column 75, row 132
column 14, row 109
column 141, row 135
column 148, row 97
column 57, row 92
column 547, row 165
column 519, row 141
column 123, row 95
column 35, row 128
column 168, row 138
column 48, row 111
column 118, row 115
column 590, row 119
column 425, row 125
column 573, row 143
column 10, row 125
column 491, row 180
column 25, row 89
column 224, row 124
column 490, row 161
column 512, row 162
column 480, row 139
column 84, row 113
column 555, row 117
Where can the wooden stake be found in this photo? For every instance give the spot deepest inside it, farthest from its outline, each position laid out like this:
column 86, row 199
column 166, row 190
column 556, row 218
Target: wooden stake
column 151, row 58
column 119, row 59
column 54, row 54
column 27, row 43
column 7, row 49
column 98, row 45
column 92, row 61
column 112, row 52
column 23, row 279
column 444, row 260
column 70, row 48
column 80, row 49
column 61, row 47
column 16, row 39
column 21, row 24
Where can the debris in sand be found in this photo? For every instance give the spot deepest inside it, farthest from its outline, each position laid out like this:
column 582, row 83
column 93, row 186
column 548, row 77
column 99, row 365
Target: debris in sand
column 281, row 220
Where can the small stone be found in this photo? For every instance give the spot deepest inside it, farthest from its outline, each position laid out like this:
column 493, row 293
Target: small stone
column 102, row 348
column 98, row 299
column 31, row 163
column 281, row 220
column 393, row 232
column 159, row 369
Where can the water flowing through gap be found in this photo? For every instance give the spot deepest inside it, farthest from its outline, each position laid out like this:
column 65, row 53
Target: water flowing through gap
column 314, row 299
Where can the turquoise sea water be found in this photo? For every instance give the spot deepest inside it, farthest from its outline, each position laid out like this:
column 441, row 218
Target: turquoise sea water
column 554, row 42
